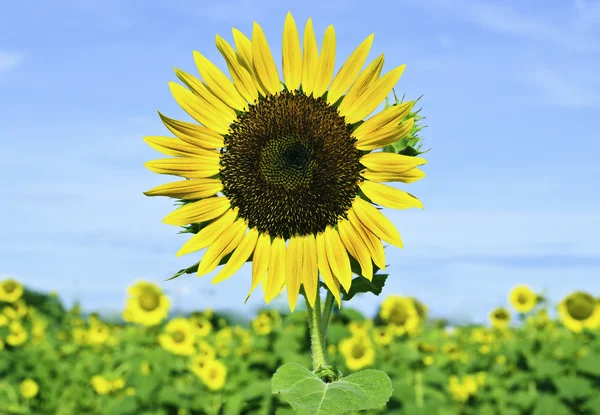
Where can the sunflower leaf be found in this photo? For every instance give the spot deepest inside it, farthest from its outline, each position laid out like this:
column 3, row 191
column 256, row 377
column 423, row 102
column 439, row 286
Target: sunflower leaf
column 189, row 270
column 309, row 395
column 363, row 285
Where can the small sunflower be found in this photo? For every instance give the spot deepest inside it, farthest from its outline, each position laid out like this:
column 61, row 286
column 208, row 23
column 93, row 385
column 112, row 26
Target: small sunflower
column 17, row 334
column 522, row 298
column 214, row 375
column 178, row 337
column 98, row 333
column 205, row 350
column 383, row 335
column 101, row 385
column 579, row 311
column 285, row 174
column 147, row 304
column 198, row 363
column 358, row 352
column 500, row 318
column 29, row 388
column 202, row 325
column 262, row 324
column 10, row 291
column 400, row 313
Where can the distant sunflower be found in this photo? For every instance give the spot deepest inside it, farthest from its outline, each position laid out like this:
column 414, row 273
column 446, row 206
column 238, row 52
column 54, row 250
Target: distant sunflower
column 400, row 313
column 202, row 325
column 579, row 311
column 500, row 318
column 522, row 298
column 214, row 375
column 274, row 163
column 383, row 335
column 178, row 337
column 358, row 352
column 10, row 291
column 147, row 304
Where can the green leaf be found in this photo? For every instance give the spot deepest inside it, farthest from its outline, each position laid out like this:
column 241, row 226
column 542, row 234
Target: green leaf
column 573, row 387
column 363, row 285
column 548, row 404
column 589, row 364
column 309, row 395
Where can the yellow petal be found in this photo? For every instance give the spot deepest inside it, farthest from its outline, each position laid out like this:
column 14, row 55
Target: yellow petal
column 385, row 136
column 326, row 63
column 376, row 222
column 408, row 176
column 311, row 58
column 349, row 70
column 244, row 49
column 366, row 78
column 388, row 117
column 293, row 272
column 188, row 189
column 193, row 168
column 239, row 256
column 390, row 162
column 218, row 83
column 260, row 260
column 356, row 247
column 371, row 241
column 291, row 59
column 276, row 272
column 201, row 110
column 193, row 134
column 208, row 234
column 337, row 256
column 197, row 212
column 176, row 147
column 388, row 196
column 263, row 62
column 326, row 273
column 226, row 242
column 310, row 271
column 373, row 96
column 242, row 78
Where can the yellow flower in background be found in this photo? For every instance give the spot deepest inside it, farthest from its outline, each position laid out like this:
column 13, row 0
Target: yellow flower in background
column 10, row 290
column 501, row 359
column 463, row 389
column 10, row 313
column 500, row 318
column 401, row 313
column 20, row 308
column 98, row 333
column 198, row 363
column 147, row 304
column 130, row 391
column 360, row 328
column 202, row 325
column 145, row 368
column 178, row 337
column 272, row 163
column 522, row 298
column 17, row 335
column 383, row 335
column 214, row 375
column 4, row 320
column 358, row 352
column 80, row 336
column 262, row 324
column 428, row 360
column 206, row 351
column 117, row 384
column 101, row 385
column 579, row 311
column 29, row 388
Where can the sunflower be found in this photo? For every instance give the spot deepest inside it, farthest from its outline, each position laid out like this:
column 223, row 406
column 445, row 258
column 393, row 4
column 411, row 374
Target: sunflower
column 383, row 335
column 358, row 352
column 202, row 325
column 522, row 298
column 17, row 335
column 206, row 351
column 147, row 304
column 500, row 318
column 400, row 313
column 10, row 290
column 29, row 388
column 214, row 375
column 178, row 337
column 98, row 333
column 276, row 163
column 579, row 311
column 101, row 385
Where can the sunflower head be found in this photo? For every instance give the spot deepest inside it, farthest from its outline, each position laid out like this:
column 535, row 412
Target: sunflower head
column 10, row 290
column 400, row 313
column 29, row 388
column 282, row 170
column 500, row 318
column 213, row 374
column 358, row 352
column 580, row 310
column 522, row 298
column 178, row 337
column 147, row 305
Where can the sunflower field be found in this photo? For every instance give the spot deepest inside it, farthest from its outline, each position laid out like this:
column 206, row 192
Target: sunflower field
column 59, row 361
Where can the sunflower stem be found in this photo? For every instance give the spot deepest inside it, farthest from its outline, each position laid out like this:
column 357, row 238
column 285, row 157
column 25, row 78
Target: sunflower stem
column 316, row 333
column 327, row 307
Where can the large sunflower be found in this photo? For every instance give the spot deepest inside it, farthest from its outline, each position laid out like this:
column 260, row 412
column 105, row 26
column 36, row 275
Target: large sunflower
column 276, row 163
column 579, row 311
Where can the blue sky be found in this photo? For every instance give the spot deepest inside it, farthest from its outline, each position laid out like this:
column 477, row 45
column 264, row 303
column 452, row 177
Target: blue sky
column 511, row 98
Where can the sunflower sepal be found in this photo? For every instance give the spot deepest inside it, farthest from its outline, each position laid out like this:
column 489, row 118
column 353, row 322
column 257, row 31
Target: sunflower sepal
column 194, row 268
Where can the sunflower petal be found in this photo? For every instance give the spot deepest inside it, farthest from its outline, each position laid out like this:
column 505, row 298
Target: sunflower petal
column 242, row 78
column 326, row 63
column 276, row 272
column 207, row 235
column 293, row 272
column 226, row 242
column 390, row 162
column 218, row 83
column 326, row 273
column 193, row 168
column 310, row 271
column 201, row 110
column 193, row 134
column 176, row 147
column 370, row 240
column 356, row 247
column 337, row 256
column 263, row 62
column 349, row 70
column 188, row 189
column 197, row 212
column 408, row 176
column 388, row 196
column 358, row 88
column 376, row 222
column 388, row 117
column 291, row 59
column 239, row 256
column 244, row 49
column 386, row 136
column 311, row 58
column 373, row 96
column 260, row 260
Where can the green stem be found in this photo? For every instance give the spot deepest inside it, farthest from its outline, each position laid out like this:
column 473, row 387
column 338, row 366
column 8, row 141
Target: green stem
column 316, row 333
column 326, row 315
